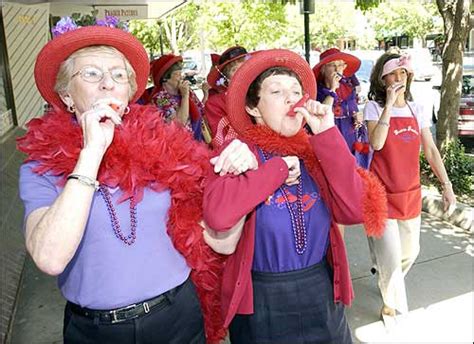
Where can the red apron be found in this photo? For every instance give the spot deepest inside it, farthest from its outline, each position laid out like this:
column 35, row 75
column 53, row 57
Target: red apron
column 397, row 165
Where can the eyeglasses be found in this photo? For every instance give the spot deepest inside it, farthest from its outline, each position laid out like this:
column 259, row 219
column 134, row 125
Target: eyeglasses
column 94, row 74
column 337, row 65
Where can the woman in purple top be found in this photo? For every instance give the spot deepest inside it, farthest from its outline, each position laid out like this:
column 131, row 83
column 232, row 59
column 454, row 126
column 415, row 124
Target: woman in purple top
column 173, row 96
column 113, row 198
column 335, row 77
column 278, row 284
column 335, row 74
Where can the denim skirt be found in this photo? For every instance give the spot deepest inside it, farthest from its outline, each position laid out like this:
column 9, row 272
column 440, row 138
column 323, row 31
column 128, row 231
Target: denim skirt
column 293, row 307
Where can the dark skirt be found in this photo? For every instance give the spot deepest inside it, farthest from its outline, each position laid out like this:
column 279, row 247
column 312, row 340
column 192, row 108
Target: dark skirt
column 293, row 307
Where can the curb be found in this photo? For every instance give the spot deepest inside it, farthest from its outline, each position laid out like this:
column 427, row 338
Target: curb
column 461, row 217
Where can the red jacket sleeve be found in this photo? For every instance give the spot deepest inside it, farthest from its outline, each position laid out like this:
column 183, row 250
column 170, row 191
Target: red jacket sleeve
column 345, row 184
column 228, row 198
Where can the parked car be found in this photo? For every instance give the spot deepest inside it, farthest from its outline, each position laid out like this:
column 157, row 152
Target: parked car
column 367, row 62
column 363, row 75
column 466, row 105
column 422, row 62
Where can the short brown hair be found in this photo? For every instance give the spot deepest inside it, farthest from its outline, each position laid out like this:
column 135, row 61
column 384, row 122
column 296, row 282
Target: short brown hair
column 252, row 98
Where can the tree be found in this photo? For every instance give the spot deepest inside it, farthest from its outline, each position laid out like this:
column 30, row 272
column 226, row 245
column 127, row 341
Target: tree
column 457, row 24
column 331, row 22
column 410, row 18
column 179, row 31
column 252, row 24
column 147, row 32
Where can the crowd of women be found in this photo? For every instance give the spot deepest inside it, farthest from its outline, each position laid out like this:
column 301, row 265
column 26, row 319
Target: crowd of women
column 158, row 237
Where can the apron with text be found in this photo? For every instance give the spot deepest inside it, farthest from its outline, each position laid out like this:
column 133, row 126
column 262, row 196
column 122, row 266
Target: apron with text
column 397, row 165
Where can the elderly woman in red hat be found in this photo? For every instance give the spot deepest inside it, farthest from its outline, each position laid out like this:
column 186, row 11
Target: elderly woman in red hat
column 335, row 75
column 173, row 96
column 287, row 278
column 397, row 128
column 113, row 199
column 218, row 79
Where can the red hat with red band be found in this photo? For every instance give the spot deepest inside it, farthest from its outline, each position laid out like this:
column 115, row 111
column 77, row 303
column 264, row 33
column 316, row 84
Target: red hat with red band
column 56, row 51
column 258, row 63
column 160, row 66
column 334, row 54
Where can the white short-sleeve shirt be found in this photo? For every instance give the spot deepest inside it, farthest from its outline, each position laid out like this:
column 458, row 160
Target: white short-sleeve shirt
column 373, row 110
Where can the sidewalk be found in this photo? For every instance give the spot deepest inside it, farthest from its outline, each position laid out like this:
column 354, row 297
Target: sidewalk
column 440, row 291
column 439, row 288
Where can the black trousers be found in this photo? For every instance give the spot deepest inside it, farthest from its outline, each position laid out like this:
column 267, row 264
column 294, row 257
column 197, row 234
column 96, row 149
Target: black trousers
column 293, row 307
column 178, row 319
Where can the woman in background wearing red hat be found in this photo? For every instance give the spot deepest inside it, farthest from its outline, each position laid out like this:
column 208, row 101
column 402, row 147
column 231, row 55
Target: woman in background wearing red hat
column 334, row 75
column 218, row 79
column 113, row 199
column 173, row 95
column 287, row 279
column 397, row 128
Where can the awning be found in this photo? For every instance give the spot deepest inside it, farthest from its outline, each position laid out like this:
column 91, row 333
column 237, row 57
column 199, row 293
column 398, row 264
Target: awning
column 124, row 9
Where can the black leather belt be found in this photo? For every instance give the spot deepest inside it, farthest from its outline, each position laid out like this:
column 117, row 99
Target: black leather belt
column 125, row 313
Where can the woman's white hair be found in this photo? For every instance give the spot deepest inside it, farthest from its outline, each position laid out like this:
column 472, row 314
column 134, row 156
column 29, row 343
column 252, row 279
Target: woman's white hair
column 67, row 68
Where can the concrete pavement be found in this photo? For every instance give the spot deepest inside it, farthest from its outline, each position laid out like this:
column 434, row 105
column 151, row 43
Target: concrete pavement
column 439, row 288
column 440, row 292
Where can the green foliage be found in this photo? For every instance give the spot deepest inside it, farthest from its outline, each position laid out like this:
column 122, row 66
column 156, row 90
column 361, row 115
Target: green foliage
column 79, row 18
column 459, row 166
column 366, row 5
column 147, row 32
column 247, row 23
column 216, row 25
column 411, row 18
column 180, row 31
column 330, row 22
column 86, row 19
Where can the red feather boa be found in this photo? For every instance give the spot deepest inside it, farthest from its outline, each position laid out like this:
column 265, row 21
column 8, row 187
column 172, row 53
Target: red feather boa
column 145, row 152
column 374, row 204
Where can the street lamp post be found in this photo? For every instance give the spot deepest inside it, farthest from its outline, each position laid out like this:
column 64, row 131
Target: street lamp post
column 306, row 8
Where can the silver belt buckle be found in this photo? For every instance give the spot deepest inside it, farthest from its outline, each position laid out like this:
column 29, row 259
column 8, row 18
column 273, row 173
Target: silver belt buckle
column 146, row 307
column 114, row 313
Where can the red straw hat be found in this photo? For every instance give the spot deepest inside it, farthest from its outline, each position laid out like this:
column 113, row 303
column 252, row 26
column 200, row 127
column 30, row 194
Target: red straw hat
column 161, row 65
column 251, row 69
column 232, row 54
column 60, row 48
column 333, row 54
column 215, row 59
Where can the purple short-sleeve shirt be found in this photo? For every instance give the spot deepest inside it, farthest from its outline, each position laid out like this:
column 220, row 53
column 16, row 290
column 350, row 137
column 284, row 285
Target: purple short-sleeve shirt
column 105, row 273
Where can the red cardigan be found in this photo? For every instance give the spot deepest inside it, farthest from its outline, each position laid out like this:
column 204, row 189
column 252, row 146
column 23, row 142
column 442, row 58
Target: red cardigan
column 229, row 198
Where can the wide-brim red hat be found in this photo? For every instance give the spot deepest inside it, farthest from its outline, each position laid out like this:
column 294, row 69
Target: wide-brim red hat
column 258, row 63
column 161, row 65
column 60, row 48
column 215, row 59
column 333, row 54
column 216, row 70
